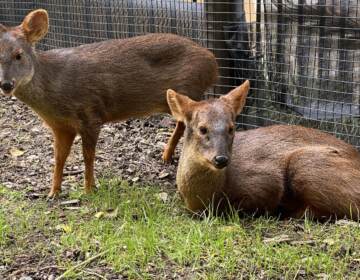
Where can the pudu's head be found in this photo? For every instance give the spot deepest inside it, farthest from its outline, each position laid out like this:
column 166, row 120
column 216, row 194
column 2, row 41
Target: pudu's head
column 17, row 54
column 210, row 124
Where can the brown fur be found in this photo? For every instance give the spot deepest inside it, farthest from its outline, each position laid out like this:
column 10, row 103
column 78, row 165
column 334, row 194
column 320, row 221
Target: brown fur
column 276, row 169
column 77, row 90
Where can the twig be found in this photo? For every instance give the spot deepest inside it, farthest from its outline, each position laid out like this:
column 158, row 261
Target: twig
column 89, row 260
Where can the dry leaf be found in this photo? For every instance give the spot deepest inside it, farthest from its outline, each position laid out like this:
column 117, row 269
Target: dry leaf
column 108, row 214
column 329, row 241
column 163, row 174
column 63, row 227
column 163, row 196
column 99, row 214
column 15, row 152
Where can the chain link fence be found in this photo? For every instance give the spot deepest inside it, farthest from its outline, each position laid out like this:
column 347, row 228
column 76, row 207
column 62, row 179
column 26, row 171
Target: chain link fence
column 302, row 56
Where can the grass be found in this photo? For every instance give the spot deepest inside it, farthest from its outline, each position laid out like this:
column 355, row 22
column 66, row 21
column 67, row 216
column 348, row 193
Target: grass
column 135, row 232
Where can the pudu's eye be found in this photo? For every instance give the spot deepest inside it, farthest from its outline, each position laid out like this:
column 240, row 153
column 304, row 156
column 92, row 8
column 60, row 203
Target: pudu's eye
column 231, row 130
column 203, row 130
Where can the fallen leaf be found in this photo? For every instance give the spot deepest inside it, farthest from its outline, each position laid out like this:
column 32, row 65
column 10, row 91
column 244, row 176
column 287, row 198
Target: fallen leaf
column 99, row 214
column 329, row 241
column 163, row 174
column 163, row 196
column 15, row 152
column 111, row 213
column 63, row 227
column 135, row 179
column 108, row 214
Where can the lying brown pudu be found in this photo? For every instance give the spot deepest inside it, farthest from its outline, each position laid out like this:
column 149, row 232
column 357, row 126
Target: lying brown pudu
column 277, row 169
column 77, row 90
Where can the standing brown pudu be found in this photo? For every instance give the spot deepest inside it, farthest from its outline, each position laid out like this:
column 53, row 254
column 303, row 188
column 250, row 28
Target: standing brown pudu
column 77, row 90
column 276, row 169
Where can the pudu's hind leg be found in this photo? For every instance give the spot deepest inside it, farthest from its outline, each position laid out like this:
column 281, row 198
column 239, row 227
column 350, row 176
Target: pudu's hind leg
column 89, row 139
column 173, row 141
column 327, row 182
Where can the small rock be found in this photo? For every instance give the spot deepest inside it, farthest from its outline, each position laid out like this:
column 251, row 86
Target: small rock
column 32, row 157
column 9, row 185
column 136, row 179
column 25, row 278
column 131, row 169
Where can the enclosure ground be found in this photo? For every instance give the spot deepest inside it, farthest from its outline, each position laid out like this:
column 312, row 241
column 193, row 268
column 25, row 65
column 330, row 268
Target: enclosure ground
column 135, row 226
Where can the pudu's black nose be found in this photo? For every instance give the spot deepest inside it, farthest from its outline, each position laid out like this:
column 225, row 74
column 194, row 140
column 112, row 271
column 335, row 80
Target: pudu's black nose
column 7, row 86
column 220, row 161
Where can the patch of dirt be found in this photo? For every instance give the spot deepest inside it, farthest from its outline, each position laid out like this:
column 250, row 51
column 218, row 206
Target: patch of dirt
column 130, row 150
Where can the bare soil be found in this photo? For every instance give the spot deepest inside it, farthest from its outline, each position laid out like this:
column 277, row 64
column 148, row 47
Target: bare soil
column 130, row 150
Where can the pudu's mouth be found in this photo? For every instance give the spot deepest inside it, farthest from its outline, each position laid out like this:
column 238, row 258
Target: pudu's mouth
column 215, row 167
column 7, row 92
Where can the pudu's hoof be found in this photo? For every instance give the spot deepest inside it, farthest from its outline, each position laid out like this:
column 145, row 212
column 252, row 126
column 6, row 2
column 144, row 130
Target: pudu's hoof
column 166, row 156
column 53, row 195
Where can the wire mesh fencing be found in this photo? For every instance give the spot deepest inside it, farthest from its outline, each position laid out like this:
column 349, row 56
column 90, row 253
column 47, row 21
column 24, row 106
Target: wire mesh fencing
column 302, row 56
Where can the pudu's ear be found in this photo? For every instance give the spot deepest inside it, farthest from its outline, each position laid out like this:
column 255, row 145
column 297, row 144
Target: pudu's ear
column 237, row 97
column 35, row 25
column 180, row 105
column 3, row 28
